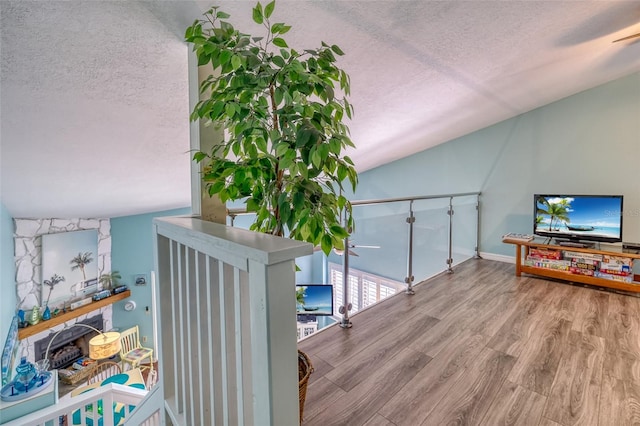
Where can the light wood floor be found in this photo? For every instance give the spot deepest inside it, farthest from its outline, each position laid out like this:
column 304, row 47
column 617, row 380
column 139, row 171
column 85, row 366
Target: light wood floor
column 481, row 347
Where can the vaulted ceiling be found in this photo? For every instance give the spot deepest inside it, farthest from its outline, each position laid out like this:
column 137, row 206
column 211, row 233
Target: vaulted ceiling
column 94, row 94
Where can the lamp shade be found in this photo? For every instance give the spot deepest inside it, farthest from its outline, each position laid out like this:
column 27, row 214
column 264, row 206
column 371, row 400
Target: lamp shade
column 104, row 345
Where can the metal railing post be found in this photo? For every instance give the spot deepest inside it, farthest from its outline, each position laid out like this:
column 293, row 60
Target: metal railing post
column 477, row 255
column 450, row 258
column 346, row 306
column 409, row 278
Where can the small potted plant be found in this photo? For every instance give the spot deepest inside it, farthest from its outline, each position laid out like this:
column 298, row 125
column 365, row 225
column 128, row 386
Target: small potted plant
column 110, row 280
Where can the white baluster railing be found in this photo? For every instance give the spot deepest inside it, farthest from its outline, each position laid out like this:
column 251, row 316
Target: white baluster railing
column 227, row 329
column 86, row 408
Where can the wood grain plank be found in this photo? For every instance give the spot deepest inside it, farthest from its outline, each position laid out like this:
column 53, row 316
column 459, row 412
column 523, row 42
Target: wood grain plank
column 378, row 420
column 619, row 402
column 321, row 395
column 515, row 405
column 575, row 393
column 537, row 365
column 366, row 330
column 623, row 325
column 546, row 422
column 356, row 368
column 623, row 366
column 442, row 334
column 591, row 312
column 320, row 367
column 562, row 301
column 360, row 403
column 518, row 327
column 471, row 397
column 415, row 401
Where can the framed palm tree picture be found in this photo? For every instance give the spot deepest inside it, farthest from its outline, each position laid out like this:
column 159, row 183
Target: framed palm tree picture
column 69, row 267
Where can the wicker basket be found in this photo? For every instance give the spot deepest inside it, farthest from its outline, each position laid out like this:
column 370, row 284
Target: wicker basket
column 305, row 368
column 80, row 376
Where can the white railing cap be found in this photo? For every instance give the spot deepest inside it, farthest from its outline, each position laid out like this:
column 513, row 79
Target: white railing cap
column 263, row 248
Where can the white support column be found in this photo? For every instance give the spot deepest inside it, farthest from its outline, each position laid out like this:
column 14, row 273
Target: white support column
column 203, row 138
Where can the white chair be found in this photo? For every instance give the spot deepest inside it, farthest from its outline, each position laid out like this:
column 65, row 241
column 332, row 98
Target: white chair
column 103, row 371
column 132, row 351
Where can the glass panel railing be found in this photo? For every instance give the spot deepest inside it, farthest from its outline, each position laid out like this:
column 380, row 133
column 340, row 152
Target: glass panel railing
column 377, row 256
column 431, row 238
column 465, row 228
column 380, row 239
column 386, row 247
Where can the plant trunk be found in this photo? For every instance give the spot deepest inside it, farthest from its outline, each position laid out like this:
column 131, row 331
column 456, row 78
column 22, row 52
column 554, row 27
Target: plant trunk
column 279, row 231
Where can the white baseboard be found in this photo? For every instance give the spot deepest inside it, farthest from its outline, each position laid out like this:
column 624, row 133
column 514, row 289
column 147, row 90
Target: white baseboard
column 498, row 257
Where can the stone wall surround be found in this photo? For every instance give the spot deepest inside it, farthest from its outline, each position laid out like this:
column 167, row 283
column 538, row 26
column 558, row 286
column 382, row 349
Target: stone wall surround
column 28, row 257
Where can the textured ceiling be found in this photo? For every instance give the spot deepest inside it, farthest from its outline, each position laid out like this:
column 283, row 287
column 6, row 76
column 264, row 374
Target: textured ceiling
column 94, row 94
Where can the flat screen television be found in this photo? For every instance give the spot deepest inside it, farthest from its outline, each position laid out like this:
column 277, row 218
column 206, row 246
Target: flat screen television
column 314, row 299
column 578, row 217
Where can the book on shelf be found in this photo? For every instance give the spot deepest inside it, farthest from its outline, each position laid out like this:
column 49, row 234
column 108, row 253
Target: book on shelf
column 620, row 260
column 615, row 269
column 545, row 254
column 562, row 265
column 581, row 255
column 590, row 265
column 614, row 277
column 581, row 271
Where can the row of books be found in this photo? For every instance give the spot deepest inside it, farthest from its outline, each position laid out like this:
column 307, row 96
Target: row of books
column 609, row 267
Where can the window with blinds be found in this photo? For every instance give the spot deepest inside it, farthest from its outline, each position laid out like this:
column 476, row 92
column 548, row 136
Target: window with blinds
column 364, row 289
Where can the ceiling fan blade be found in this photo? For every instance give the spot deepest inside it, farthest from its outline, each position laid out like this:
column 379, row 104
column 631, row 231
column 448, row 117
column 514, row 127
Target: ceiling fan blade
column 626, row 38
column 341, row 252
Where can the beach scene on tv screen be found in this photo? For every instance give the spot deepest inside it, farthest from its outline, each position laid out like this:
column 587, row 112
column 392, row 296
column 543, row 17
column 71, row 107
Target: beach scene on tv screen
column 314, row 299
column 582, row 216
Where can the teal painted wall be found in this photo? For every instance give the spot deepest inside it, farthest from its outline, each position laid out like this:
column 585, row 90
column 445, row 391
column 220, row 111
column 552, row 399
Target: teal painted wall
column 588, row 143
column 131, row 255
column 7, row 273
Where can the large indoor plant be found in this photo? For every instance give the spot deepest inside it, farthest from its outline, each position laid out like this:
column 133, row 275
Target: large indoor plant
column 282, row 111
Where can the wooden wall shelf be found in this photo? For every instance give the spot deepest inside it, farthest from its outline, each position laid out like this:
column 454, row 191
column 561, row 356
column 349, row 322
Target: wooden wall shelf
column 23, row 333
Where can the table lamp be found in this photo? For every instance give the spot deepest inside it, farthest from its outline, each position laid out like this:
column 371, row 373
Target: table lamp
column 104, row 345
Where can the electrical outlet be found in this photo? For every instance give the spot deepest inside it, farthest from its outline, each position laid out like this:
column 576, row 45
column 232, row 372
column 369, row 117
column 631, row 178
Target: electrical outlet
column 144, row 339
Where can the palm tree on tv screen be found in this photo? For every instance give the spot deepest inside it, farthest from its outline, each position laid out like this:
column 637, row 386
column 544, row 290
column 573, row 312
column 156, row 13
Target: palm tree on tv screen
column 300, row 294
column 557, row 212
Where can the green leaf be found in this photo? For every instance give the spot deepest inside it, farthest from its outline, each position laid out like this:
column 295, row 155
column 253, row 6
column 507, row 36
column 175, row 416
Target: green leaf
column 339, row 231
column 285, row 212
column 236, row 62
column 217, row 108
column 298, row 200
column 337, row 50
column 281, row 149
column 280, row 42
column 225, row 56
column 203, row 59
column 257, row 14
column 278, row 61
column 230, row 109
column 268, row 10
column 326, row 244
column 278, row 95
column 199, row 156
column 252, row 205
column 222, row 15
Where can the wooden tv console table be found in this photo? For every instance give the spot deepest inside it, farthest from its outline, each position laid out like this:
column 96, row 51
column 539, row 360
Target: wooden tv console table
column 523, row 248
